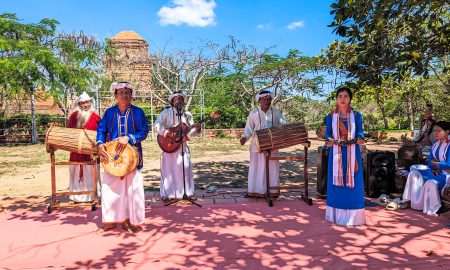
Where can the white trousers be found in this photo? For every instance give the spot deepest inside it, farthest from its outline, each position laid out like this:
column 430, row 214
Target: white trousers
column 423, row 196
column 85, row 184
column 257, row 173
column 123, row 198
column 172, row 184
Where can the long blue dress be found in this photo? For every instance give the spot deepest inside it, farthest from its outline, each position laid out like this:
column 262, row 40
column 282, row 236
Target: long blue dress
column 344, row 197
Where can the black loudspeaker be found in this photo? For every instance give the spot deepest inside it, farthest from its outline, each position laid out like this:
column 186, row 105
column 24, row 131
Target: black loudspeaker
column 322, row 169
column 408, row 155
column 379, row 173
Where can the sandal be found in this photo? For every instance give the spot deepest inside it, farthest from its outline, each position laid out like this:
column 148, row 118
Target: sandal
column 392, row 206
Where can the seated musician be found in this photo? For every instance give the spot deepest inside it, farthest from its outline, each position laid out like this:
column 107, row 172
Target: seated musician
column 426, row 138
column 264, row 116
column 167, row 125
column 424, row 185
column 83, row 116
column 122, row 197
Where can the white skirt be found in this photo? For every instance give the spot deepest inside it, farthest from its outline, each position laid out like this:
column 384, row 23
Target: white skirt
column 123, row 199
column 345, row 217
column 86, row 184
column 257, row 173
column 172, row 183
column 423, row 196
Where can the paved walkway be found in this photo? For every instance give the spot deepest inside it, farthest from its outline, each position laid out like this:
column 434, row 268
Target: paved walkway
column 225, row 196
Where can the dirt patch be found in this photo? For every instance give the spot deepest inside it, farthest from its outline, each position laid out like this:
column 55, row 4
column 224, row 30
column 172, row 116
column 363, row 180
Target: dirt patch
column 227, row 167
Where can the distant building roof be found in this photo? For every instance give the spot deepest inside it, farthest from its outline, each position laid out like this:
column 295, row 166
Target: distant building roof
column 127, row 35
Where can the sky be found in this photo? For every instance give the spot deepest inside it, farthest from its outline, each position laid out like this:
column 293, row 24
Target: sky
column 172, row 24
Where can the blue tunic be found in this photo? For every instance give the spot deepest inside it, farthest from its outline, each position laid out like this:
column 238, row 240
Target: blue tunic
column 131, row 123
column 440, row 178
column 344, row 197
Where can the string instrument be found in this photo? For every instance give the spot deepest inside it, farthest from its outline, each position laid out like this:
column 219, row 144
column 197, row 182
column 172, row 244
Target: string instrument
column 344, row 142
column 170, row 145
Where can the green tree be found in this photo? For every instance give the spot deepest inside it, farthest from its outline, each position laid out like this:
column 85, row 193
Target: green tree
column 395, row 37
column 34, row 57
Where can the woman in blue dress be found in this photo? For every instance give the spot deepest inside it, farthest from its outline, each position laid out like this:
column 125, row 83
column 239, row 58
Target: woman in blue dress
column 424, row 183
column 345, row 186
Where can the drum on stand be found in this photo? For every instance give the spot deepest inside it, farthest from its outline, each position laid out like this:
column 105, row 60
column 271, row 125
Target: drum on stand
column 81, row 141
column 123, row 164
column 75, row 140
column 281, row 137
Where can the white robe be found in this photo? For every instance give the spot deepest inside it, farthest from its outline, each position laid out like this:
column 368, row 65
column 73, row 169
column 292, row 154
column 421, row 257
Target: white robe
column 256, row 120
column 172, row 184
column 123, row 199
column 86, row 185
column 423, row 196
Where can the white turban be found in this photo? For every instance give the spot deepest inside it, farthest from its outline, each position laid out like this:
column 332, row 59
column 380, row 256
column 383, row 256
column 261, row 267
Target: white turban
column 263, row 94
column 175, row 94
column 84, row 97
column 120, row 85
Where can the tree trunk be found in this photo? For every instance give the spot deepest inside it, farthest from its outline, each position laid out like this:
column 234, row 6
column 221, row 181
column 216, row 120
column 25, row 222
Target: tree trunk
column 409, row 101
column 33, row 118
column 383, row 111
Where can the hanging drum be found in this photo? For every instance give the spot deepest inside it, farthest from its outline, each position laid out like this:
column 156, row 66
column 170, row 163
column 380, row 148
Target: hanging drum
column 123, row 164
column 76, row 140
column 281, row 137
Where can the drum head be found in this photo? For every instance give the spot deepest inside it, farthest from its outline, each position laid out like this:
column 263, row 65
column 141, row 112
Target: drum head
column 123, row 164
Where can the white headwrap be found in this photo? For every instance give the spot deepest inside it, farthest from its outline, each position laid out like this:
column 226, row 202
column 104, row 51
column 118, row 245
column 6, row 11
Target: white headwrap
column 83, row 97
column 120, row 85
column 176, row 94
column 263, row 94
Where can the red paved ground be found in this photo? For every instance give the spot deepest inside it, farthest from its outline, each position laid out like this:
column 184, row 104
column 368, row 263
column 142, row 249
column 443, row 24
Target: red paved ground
column 240, row 234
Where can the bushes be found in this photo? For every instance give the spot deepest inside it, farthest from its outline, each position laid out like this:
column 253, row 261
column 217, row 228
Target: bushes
column 21, row 124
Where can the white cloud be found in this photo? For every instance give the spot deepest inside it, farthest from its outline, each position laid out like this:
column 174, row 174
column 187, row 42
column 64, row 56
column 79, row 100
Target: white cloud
column 263, row 26
column 296, row 24
column 190, row 12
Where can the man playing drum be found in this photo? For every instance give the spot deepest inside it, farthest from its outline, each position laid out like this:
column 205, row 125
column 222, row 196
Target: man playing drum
column 122, row 197
column 172, row 186
column 83, row 116
column 265, row 116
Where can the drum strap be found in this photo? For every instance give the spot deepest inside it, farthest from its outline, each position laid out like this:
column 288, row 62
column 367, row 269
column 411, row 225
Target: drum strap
column 260, row 121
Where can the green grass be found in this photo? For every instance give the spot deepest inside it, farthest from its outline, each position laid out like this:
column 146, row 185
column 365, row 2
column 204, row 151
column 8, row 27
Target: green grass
column 13, row 158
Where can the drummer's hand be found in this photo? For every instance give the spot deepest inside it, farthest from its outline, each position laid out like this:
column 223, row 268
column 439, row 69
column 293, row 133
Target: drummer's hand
column 434, row 164
column 330, row 143
column 102, row 153
column 243, row 140
column 123, row 141
column 360, row 141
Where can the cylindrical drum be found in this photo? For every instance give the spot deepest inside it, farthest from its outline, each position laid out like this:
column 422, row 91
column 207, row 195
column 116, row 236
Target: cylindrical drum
column 281, row 136
column 123, row 164
column 81, row 141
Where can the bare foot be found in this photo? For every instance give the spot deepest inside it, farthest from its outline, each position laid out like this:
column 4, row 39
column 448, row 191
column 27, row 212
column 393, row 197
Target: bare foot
column 126, row 225
column 106, row 227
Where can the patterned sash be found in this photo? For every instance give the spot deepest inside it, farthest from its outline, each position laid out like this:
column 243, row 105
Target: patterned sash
column 347, row 134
